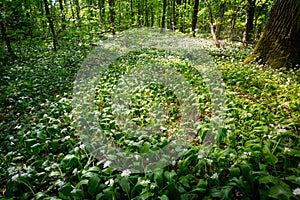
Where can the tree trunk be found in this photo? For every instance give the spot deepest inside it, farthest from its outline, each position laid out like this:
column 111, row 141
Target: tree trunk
column 6, row 38
column 194, row 19
column 249, row 21
column 112, row 14
column 51, row 25
column 211, row 23
column 220, row 20
column 146, row 14
column 280, row 43
column 173, row 15
column 163, row 19
column 131, row 12
column 63, row 17
column 102, row 9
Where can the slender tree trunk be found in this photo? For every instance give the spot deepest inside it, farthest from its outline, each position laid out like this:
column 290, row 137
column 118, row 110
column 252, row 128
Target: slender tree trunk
column 249, row 21
column 183, row 17
column 146, row 13
column 163, row 19
column 220, row 20
column 173, row 15
column 211, row 23
column 6, row 38
column 131, row 11
column 280, row 43
column 63, row 17
column 112, row 14
column 51, row 25
column 101, row 5
column 194, row 19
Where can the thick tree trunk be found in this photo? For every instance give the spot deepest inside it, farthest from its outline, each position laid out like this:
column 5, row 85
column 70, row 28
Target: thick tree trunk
column 280, row 43
column 194, row 19
column 163, row 19
column 51, row 25
column 249, row 21
column 211, row 23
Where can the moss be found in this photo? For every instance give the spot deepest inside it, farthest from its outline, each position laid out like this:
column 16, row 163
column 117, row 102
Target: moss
column 250, row 58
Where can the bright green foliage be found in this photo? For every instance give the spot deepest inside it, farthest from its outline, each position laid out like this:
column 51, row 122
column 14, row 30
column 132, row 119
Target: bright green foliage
column 42, row 157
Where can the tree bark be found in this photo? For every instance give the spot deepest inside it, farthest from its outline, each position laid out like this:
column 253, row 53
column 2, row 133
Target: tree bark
column 220, row 20
column 163, row 19
column 249, row 21
column 112, row 14
column 51, row 25
column 63, row 17
column 6, row 38
column 131, row 12
column 194, row 19
column 280, row 43
column 211, row 23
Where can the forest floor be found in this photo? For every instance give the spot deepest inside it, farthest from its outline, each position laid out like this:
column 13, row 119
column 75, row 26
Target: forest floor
column 255, row 156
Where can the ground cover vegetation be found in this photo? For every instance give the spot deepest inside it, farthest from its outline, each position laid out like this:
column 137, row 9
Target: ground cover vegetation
column 42, row 156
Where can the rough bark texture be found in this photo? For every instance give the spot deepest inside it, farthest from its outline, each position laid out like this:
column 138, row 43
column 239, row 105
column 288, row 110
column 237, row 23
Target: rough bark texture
column 249, row 21
column 280, row 43
column 194, row 19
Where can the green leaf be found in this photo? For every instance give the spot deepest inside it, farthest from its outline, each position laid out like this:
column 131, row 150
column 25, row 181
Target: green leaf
column 170, row 176
column 125, row 185
column 65, row 191
column 93, row 184
column 270, row 158
column 280, row 191
column 234, row 171
column 163, row 197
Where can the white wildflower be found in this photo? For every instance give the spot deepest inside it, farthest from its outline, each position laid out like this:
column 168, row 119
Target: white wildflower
column 209, row 161
column 107, row 164
column 279, row 131
column 214, row 176
column 152, row 186
column 82, row 146
column 286, row 150
column 126, row 173
column 67, row 137
column 47, row 168
column 60, row 183
column 15, row 177
column 74, row 191
column 296, row 191
column 145, row 182
column 200, row 156
column 231, row 155
column 110, row 182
